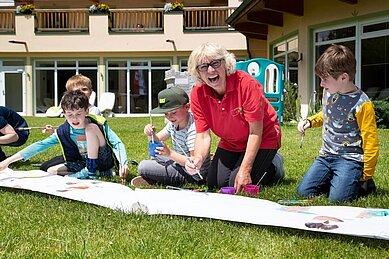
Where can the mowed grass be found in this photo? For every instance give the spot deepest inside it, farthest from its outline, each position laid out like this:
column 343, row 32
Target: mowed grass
column 35, row 225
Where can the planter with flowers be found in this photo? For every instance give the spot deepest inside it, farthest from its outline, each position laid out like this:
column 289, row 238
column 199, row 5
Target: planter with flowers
column 176, row 7
column 99, row 8
column 25, row 9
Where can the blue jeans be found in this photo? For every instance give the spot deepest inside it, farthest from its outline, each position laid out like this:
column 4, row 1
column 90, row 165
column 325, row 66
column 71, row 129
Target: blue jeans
column 336, row 176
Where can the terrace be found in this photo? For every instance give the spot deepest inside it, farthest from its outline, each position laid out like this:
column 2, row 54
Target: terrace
column 135, row 20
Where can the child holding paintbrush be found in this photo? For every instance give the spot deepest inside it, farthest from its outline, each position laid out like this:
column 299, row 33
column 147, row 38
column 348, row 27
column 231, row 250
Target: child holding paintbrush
column 168, row 168
column 88, row 144
column 14, row 130
column 349, row 153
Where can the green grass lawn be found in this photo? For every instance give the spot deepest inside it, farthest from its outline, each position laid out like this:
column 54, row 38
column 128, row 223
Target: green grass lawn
column 34, row 225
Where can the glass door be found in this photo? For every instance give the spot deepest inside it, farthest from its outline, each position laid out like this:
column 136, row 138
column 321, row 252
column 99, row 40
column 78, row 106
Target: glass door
column 12, row 89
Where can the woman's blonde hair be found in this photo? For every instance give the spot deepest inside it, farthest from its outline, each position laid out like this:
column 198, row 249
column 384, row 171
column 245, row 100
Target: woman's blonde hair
column 210, row 51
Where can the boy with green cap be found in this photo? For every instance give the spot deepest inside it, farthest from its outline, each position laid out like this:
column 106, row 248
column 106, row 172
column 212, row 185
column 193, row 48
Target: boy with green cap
column 168, row 168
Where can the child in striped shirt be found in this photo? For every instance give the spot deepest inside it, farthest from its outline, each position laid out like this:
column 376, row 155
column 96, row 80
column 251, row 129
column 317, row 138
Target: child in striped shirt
column 168, row 167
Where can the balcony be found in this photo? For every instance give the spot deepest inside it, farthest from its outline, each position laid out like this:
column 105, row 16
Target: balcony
column 139, row 20
column 7, row 21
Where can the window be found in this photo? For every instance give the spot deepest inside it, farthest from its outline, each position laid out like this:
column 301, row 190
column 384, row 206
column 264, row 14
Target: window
column 136, row 84
column 369, row 40
column 286, row 53
column 51, row 77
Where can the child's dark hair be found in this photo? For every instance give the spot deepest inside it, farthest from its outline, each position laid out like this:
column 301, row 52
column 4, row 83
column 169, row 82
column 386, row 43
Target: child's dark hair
column 336, row 60
column 74, row 100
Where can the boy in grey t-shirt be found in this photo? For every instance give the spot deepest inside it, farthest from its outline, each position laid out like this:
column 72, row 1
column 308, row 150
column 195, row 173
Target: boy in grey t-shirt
column 168, row 168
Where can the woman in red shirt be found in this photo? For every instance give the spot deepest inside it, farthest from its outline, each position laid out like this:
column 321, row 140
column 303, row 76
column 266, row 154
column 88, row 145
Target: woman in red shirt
column 232, row 104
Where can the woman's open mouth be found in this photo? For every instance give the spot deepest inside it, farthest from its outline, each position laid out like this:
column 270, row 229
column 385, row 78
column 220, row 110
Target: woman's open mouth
column 213, row 79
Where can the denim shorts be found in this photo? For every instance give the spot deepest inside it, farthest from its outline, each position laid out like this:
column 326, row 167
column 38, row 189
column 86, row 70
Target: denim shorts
column 337, row 176
column 105, row 161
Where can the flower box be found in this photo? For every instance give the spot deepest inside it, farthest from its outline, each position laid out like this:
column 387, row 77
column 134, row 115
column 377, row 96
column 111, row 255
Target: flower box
column 99, row 8
column 25, row 9
column 175, row 7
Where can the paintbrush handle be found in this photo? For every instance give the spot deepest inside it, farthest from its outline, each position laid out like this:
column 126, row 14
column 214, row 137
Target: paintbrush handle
column 29, row 128
column 32, row 128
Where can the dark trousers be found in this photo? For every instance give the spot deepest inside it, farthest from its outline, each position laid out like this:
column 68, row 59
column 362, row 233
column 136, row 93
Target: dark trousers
column 225, row 165
column 52, row 162
column 22, row 139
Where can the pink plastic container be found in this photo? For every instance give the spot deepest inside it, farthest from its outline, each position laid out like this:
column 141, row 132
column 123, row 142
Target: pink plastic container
column 251, row 189
column 227, row 190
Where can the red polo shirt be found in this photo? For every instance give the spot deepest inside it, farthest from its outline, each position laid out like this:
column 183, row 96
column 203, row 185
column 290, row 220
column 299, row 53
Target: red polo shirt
column 229, row 118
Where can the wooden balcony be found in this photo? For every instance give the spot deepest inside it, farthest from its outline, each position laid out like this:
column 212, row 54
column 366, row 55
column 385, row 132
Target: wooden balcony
column 207, row 18
column 137, row 20
column 55, row 20
column 7, row 21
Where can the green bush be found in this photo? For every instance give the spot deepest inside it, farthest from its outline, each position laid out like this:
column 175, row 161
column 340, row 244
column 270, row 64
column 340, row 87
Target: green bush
column 382, row 114
column 291, row 102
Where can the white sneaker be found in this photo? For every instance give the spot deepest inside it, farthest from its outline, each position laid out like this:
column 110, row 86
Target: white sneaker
column 139, row 181
column 278, row 162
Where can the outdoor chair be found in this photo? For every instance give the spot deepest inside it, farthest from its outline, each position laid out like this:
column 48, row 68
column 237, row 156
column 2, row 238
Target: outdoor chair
column 106, row 103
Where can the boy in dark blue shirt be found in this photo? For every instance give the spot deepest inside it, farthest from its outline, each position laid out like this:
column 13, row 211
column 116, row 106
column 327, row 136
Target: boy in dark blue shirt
column 13, row 130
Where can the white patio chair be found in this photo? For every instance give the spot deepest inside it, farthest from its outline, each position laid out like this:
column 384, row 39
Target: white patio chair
column 92, row 98
column 106, row 103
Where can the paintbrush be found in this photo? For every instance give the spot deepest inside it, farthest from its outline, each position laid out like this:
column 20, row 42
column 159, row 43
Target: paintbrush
column 151, row 123
column 295, row 202
column 303, row 135
column 302, row 140
column 190, row 160
column 31, row 128
column 261, row 178
column 306, row 120
column 120, row 166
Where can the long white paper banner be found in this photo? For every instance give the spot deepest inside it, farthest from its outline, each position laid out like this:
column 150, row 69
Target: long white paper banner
column 372, row 223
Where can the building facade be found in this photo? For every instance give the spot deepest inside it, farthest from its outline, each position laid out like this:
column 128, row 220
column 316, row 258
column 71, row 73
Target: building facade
column 125, row 51
column 296, row 32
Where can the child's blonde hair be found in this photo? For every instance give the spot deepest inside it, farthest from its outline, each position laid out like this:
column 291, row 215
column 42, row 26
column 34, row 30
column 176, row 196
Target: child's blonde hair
column 78, row 80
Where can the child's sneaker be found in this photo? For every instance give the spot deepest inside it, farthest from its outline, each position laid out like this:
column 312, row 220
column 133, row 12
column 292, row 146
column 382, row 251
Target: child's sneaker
column 278, row 162
column 139, row 181
column 82, row 174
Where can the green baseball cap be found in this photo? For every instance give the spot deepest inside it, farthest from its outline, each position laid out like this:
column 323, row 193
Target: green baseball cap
column 170, row 99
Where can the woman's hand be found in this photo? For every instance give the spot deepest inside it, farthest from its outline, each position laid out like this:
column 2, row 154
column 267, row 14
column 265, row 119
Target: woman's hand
column 242, row 179
column 303, row 125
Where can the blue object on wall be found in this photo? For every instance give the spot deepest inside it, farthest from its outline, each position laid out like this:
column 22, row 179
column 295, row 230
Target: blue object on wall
column 271, row 76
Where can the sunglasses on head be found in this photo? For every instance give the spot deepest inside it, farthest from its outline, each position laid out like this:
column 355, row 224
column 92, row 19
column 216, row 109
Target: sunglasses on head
column 214, row 63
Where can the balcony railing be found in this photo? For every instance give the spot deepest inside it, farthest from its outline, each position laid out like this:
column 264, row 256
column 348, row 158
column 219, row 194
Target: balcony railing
column 72, row 20
column 120, row 20
column 136, row 20
column 206, row 18
column 7, row 20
